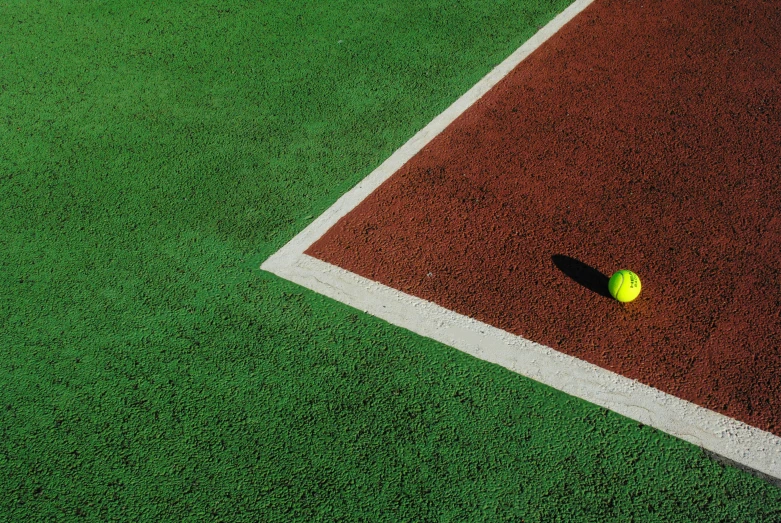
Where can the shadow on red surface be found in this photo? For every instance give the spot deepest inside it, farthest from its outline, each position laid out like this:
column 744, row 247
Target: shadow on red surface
column 583, row 274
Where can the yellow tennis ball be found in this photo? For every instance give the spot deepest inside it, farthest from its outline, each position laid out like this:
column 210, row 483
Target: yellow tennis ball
column 624, row 285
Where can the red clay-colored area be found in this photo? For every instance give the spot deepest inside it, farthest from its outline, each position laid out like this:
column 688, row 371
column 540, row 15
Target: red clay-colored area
column 644, row 135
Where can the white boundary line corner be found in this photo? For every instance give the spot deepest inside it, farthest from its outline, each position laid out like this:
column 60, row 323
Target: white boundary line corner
column 365, row 187
column 736, row 441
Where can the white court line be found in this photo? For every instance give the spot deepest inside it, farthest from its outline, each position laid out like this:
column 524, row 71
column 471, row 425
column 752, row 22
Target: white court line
column 745, row 445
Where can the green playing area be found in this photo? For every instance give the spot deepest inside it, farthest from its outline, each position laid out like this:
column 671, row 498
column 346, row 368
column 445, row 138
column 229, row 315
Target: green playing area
column 152, row 155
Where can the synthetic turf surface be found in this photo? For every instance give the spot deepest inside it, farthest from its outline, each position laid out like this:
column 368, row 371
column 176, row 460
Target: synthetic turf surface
column 152, row 155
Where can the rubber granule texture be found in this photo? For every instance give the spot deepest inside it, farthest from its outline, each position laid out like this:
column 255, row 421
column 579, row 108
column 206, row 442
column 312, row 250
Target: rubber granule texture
column 643, row 135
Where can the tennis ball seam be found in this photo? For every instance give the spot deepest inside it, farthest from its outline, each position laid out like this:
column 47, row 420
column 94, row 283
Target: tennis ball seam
column 629, row 282
column 615, row 290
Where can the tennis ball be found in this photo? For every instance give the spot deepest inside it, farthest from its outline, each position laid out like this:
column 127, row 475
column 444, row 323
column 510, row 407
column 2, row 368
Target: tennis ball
column 624, row 285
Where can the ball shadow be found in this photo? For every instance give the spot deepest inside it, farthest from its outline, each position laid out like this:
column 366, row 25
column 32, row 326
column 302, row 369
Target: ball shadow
column 586, row 276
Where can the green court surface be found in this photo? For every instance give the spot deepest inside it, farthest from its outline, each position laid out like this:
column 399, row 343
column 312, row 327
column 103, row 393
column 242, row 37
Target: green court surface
column 152, row 155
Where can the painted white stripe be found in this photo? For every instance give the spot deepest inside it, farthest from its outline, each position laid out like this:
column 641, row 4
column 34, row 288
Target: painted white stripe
column 741, row 443
column 727, row 437
column 365, row 187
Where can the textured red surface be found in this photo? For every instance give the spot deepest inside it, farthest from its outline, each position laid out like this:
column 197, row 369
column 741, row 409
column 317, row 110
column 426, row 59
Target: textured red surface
column 644, row 135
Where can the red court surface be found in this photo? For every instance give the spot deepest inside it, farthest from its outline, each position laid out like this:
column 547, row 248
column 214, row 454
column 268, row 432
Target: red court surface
column 643, row 135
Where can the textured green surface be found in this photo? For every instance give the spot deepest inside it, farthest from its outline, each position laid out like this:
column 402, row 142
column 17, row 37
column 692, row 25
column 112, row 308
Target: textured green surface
column 152, row 156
